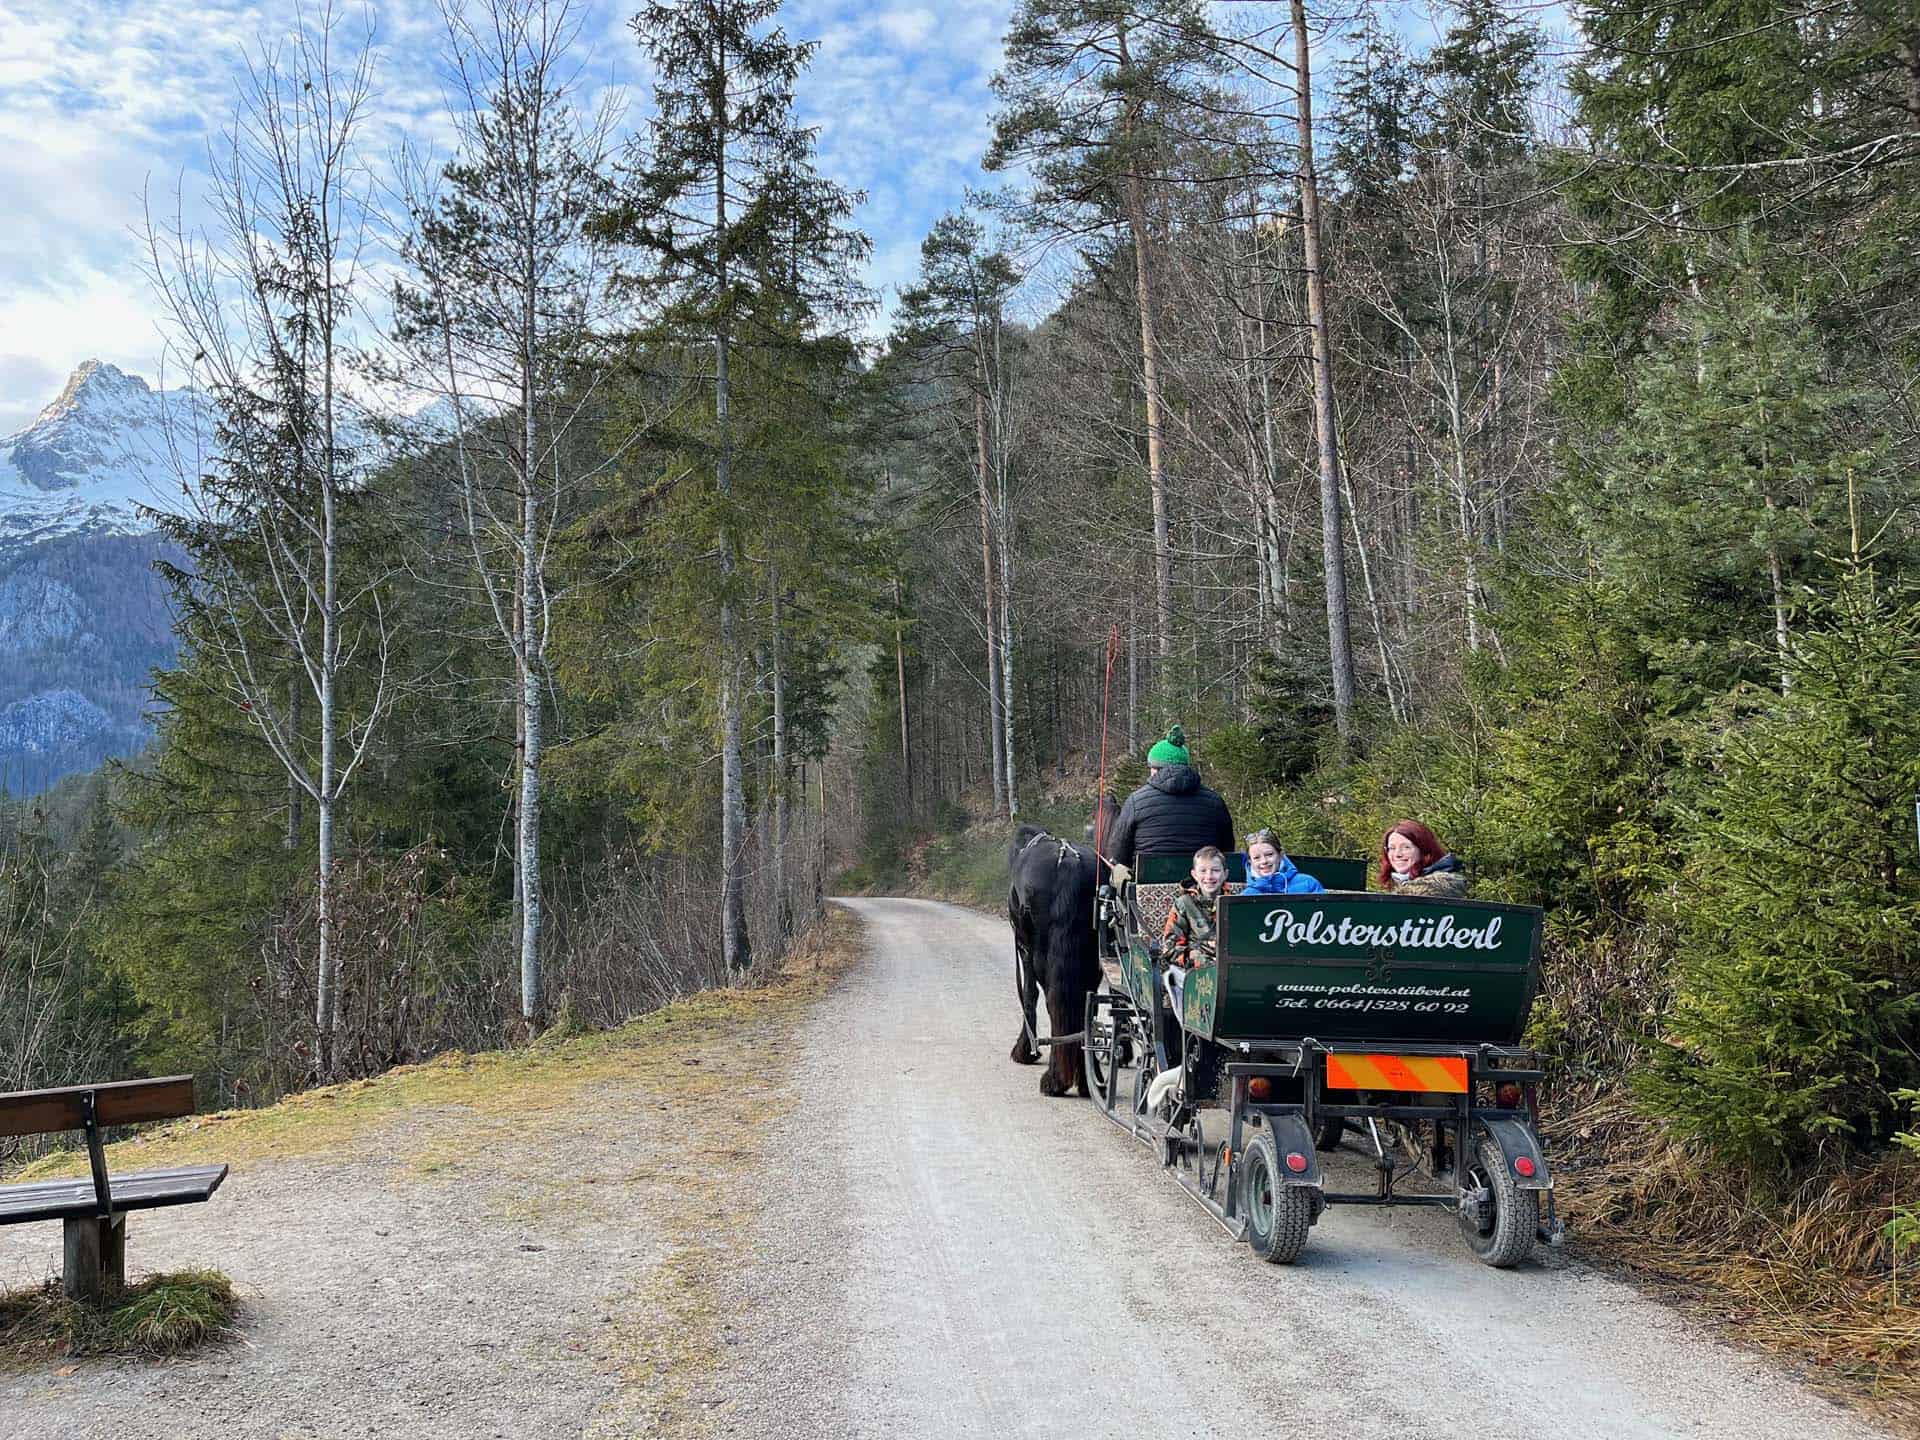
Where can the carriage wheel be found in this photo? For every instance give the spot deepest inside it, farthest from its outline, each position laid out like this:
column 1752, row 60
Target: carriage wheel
column 1102, row 1050
column 1497, row 1217
column 1278, row 1215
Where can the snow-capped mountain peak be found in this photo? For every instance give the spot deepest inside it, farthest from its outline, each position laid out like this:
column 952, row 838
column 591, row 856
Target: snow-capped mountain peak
column 107, row 446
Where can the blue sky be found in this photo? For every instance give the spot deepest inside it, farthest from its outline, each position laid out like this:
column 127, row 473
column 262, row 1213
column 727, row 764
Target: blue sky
column 101, row 100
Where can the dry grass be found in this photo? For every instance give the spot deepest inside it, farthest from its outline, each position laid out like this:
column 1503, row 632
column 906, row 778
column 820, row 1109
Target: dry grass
column 676, row 1331
column 1810, row 1275
column 162, row 1315
column 512, row 1087
column 719, row 1064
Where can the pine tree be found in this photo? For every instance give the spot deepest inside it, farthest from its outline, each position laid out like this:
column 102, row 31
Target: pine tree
column 1798, row 1012
column 724, row 182
column 1092, row 95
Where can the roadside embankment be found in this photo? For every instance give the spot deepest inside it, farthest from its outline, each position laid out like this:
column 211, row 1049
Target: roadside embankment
column 517, row 1242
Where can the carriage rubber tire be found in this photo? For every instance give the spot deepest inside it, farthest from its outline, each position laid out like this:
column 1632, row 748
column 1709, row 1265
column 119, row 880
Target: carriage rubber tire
column 1098, row 1082
column 1276, row 1227
column 1516, row 1212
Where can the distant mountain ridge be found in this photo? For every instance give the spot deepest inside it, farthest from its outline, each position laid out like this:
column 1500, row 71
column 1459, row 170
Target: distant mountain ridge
column 84, row 618
column 106, row 447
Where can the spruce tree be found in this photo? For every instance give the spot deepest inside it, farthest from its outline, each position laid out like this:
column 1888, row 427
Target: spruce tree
column 956, row 314
column 1730, row 479
column 1797, row 1017
column 721, row 201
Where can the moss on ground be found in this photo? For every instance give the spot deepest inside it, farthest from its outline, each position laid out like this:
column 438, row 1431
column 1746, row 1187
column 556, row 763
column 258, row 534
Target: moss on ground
column 162, row 1315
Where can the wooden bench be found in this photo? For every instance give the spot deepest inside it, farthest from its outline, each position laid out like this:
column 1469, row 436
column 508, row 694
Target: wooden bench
column 94, row 1210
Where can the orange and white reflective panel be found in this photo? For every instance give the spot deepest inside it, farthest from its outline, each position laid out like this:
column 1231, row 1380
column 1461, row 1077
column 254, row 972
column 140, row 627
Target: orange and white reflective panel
column 1446, row 1074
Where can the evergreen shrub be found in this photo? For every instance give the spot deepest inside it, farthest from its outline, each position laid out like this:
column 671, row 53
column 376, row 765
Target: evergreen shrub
column 1796, row 1021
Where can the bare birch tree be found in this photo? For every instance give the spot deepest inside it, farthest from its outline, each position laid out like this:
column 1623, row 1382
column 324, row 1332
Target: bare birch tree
column 260, row 304
column 497, row 319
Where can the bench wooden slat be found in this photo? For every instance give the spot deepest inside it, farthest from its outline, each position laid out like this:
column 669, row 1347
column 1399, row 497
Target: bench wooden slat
column 74, row 1198
column 119, row 1102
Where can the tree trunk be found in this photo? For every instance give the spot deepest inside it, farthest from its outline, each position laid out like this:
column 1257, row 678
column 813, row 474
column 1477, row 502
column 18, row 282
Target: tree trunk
column 995, row 717
column 736, row 946
column 327, row 981
column 1005, row 512
column 517, row 913
column 295, row 795
column 1333, row 554
column 1133, row 672
column 900, row 678
column 783, row 910
column 1781, row 639
column 532, row 653
column 1373, row 605
column 1134, row 197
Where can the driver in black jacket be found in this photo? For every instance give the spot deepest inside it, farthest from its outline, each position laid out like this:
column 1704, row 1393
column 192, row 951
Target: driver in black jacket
column 1172, row 814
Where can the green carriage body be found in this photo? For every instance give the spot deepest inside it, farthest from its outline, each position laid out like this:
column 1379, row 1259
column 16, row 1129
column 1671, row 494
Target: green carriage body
column 1430, row 995
column 1367, row 967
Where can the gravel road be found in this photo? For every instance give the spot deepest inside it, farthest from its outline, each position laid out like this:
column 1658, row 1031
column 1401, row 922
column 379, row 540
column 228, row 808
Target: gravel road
column 942, row 1252
column 865, row 1221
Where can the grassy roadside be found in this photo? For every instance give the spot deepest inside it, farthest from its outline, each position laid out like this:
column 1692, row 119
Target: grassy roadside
column 1805, row 1273
column 710, row 1073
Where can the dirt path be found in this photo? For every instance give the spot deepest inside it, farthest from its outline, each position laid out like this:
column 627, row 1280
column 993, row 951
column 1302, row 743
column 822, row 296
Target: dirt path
column 836, row 1214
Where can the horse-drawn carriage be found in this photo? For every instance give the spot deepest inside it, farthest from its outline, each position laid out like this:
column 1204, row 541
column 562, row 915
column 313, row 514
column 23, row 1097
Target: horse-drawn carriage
column 1391, row 1021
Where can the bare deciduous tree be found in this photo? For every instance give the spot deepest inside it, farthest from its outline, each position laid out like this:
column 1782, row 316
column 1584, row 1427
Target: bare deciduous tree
column 261, row 303
column 498, row 321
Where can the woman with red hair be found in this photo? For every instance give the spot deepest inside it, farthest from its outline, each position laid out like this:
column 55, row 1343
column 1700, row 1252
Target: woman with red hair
column 1414, row 862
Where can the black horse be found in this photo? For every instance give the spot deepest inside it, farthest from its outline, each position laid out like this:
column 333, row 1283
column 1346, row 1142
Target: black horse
column 1050, row 902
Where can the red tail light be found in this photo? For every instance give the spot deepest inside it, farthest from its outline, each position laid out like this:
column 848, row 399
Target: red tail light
column 1507, row 1096
column 1523, row 1167
column 1296, row 1162
column 1259, row 1088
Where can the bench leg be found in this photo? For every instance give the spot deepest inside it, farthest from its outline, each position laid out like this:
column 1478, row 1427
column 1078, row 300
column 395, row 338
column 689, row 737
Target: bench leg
column 96, row 1261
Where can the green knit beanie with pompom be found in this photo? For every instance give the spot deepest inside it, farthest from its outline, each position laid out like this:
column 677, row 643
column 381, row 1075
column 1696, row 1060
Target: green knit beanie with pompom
column 1172, row 750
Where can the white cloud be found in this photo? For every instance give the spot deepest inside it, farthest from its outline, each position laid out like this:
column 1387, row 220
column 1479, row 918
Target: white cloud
column 100, row 102
column 46, row 332
column 906, row 27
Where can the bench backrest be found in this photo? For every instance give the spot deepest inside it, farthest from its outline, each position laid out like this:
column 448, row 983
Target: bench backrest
column 1173, row 869
column 119, row 1102
column 1152, row 903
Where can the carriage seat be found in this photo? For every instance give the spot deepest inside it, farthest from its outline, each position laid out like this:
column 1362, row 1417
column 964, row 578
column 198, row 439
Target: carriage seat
column 1156, row 884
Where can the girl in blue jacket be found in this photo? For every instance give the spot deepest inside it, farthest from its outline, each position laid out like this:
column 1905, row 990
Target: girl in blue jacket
column 1270, row 872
